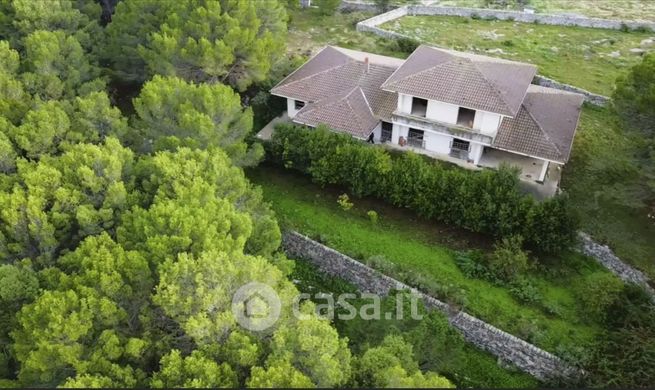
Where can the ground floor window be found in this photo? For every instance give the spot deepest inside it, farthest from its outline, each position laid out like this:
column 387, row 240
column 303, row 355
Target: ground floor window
column 461, row 145
column 298, row 104
column 415, row 138
column 387, row 128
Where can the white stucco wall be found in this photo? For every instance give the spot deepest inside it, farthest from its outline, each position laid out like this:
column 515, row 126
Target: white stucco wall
column 404, row 103
column 291, row 108
column 437, row 143
column 486, row 122
column 475, row 152
column 377, row 133
column 397, row 132
column 442, row 112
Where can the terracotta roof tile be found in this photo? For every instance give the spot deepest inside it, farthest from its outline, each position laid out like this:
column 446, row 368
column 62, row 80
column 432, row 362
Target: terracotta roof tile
column 545, row 125
column 468, row 80
column 349, row 112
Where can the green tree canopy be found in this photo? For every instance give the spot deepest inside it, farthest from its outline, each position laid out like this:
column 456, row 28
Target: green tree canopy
column 228, row 41
column 56, row 66
column 73, row 18
column 172, row 112
column 392, row 365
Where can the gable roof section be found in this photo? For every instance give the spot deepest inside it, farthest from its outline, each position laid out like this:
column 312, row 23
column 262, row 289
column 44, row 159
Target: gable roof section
column 544, row 126
column 348, row 112
column 334, row 72
column 467, row 80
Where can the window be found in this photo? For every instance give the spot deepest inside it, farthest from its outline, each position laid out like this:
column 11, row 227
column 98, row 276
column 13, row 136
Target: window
column 387, row 128
column 415, row 138
column 299, row 104
column 419, row 106
column 465, row 117
column 461, row 145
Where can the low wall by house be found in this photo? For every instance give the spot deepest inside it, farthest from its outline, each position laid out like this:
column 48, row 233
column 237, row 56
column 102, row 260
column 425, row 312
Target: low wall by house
column 589, row 97
column 535, row 361
column 604, row 255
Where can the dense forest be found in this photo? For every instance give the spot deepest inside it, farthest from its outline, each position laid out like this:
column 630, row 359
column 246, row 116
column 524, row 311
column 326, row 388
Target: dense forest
column 127, row 222
column 123, row 235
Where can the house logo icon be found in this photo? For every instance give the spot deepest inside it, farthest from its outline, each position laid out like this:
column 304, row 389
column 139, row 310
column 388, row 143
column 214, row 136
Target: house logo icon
column 256, row 306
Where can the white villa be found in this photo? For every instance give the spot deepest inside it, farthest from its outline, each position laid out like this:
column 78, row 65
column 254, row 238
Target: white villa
column 472, row 110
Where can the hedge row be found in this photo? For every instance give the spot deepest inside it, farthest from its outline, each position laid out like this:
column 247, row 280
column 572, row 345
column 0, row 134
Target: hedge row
column 487, row 201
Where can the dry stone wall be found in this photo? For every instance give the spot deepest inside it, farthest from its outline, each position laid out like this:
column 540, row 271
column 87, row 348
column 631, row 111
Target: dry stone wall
column 604, row 255
column 537, row 362
column 371, row 25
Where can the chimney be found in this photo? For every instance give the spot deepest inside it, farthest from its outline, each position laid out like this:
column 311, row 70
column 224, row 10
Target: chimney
column 368, row 66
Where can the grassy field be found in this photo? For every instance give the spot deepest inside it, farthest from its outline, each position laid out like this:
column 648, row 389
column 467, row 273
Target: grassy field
column 556, row 323
column 309, row 31
column 594, row 177
column 609, row 9
column 588, row 58
column 461, row 362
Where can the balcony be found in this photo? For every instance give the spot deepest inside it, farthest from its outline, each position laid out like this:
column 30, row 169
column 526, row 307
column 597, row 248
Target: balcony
column 418, row 122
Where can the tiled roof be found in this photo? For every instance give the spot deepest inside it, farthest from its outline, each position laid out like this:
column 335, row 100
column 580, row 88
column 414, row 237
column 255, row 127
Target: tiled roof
column 349, row 112
column 544, row 126
column 334, row 72
column 467, row 80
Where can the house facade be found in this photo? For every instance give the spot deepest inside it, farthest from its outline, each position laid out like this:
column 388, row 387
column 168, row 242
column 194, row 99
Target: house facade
column 472, row 110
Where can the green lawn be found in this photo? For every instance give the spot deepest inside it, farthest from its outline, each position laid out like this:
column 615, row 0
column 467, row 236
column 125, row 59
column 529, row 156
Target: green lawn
column 573, row 55
column 462, row 363
column 420, row 247
column 594, row 177
column 609, row 9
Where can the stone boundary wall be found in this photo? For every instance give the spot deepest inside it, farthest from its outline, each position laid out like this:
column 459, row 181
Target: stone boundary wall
column 518, row 16
column 537, row 362
column 604, row 255
column 589, row 97
column 371, row 25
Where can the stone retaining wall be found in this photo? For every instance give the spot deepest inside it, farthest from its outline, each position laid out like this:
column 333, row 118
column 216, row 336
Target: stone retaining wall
column 604, row 255
column 537, row 362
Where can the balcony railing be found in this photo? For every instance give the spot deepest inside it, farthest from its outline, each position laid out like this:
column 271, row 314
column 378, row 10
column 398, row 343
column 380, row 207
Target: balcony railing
column 466, row 133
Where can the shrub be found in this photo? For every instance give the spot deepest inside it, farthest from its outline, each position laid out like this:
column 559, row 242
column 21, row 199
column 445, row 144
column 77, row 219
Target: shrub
column 598, row 292
column 508, row 260
column 344, row 202
column 407, row 45
column 525, row 291
column 372, row 216
column 488, row 201
column 327, row 7
column 471, row 263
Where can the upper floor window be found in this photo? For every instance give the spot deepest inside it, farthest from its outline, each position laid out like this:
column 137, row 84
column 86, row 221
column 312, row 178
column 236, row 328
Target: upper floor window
column 299, row 104
column 465, row 117
column 419, row 106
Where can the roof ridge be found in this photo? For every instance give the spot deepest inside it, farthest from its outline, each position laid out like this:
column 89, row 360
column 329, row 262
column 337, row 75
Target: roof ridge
column 349, row 61
column 337, row 96
column 545, row 134
column 496, row 91
column 405, row 61
column 356, row 114
column 418, row 73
